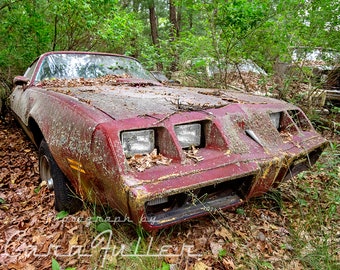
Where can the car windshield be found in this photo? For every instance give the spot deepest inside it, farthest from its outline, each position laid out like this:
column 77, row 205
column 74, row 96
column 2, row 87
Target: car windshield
column 72, row 66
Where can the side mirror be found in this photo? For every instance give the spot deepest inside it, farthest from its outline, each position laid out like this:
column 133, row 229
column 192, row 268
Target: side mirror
column 21, row 80
column 159, row 76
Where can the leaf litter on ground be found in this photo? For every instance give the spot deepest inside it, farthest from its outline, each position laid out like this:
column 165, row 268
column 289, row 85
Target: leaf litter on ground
column 258, row 235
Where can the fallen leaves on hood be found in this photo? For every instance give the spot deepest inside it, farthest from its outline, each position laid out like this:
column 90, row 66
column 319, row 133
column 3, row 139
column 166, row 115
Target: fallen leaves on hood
column 110, row 79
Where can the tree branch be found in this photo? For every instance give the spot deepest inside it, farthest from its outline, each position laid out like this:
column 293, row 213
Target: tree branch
column 8, row 4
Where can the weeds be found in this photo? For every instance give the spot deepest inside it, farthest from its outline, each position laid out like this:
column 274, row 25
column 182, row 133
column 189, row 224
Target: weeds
column 120, row 244
column 315, row 232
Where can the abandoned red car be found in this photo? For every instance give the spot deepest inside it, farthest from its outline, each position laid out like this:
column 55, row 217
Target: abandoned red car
column 108, row 132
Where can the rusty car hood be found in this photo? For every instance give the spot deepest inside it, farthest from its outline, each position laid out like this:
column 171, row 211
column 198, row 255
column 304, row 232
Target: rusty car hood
column 123, row 101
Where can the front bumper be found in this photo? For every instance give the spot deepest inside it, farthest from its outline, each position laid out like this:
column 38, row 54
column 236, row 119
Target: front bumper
column 184, row 196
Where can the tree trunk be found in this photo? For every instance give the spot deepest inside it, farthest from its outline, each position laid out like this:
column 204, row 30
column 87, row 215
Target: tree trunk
column 174, row 32
column 179, row 21
column 154, row 30
column 153, row 23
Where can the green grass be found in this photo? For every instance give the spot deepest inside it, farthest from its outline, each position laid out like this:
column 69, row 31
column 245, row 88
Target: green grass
column 315, row 215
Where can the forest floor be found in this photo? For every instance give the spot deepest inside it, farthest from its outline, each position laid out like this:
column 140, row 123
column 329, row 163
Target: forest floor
column 294, row 227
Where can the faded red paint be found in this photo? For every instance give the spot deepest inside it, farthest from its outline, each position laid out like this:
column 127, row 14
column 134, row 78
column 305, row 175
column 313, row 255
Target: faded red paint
column 84, row 124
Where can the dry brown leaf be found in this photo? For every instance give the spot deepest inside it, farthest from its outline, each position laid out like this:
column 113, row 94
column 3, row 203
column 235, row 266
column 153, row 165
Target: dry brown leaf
column 110, row 79
column 225, row 233
column 201, row 266
column 191, row 154
column 228, row 264
column 21, row 266
column 216, row 248
column 141, row 162
column 27, row 211
column 74, row 240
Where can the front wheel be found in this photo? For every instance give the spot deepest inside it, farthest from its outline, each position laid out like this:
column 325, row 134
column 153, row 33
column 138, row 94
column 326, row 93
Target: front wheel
column 65, row 197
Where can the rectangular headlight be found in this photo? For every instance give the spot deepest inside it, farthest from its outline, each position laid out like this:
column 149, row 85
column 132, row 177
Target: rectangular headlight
column 275, row 118
column 138, row 142
column 188, row 135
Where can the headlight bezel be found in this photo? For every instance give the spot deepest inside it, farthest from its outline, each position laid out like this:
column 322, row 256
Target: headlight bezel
column 140, row 141
column 184, row 131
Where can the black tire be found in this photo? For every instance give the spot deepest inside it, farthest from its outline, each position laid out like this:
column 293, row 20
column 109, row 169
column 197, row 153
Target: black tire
column 65, row 197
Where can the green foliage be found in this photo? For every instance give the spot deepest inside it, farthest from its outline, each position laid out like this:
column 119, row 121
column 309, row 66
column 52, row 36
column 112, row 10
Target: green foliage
column 240, row 211
column 222, row 253
column 37, row 189
column 240, row 16
column 316, row 214
column 55, row 264
column 263, row 31
column 103, row 226
column 121, row 33
column 165, row 266
column 61, row 215
column 335, row 109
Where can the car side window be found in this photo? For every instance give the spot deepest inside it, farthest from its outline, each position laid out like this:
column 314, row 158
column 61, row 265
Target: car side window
column 44, row 71
column 30, row 70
